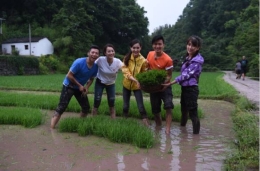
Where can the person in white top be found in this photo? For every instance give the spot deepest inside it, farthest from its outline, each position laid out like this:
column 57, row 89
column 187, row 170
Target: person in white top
column 108, row 67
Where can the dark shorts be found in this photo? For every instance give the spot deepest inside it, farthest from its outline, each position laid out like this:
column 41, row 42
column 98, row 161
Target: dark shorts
column 238, row 71
column 243, row 70
column 157, row 98
column 189, row 97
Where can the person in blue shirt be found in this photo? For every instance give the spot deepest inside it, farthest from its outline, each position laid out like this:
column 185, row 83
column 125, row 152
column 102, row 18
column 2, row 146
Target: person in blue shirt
column 76, row 83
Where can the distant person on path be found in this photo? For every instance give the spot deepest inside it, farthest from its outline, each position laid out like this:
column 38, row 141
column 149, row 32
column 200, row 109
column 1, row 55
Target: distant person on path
column 244, row 63
column 189, row 80
column 159, row 60
column 108, row 67
column 134, row 63
column 76, row 83
column 238, row 70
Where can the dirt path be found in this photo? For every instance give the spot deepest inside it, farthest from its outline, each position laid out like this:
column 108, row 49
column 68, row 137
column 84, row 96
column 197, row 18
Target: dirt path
column 248, row 87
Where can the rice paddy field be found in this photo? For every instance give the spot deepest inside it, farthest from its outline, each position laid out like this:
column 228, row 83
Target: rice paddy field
column 27, row 103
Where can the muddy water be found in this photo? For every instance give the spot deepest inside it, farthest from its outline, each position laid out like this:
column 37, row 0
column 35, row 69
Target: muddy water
column 41, row 149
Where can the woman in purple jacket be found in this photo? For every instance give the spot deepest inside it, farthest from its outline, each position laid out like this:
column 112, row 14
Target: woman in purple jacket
column 189, row 79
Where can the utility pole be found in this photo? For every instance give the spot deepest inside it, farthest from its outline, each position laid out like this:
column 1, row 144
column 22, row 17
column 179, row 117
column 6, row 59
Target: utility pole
column 1, row 32
column 30, row 39
column 1, row 19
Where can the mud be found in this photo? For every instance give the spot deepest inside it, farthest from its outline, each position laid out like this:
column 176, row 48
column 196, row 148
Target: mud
column 41, row 149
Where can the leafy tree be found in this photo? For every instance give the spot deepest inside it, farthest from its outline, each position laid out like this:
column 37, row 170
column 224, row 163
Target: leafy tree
column 73, row 23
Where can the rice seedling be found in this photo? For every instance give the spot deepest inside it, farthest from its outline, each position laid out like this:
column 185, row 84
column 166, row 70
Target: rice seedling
column 50, row 101
column 27, row 117
column 118, row 130
column 70, row 124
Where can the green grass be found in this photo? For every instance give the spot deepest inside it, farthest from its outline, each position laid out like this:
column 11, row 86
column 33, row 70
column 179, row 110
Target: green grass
column 245, row 153
column 118, row 130
column 211, row 85
column 50, row 102
column 27, row 117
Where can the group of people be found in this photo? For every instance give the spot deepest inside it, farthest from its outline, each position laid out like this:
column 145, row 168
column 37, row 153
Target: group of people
column 105, row 68
column 240, row 68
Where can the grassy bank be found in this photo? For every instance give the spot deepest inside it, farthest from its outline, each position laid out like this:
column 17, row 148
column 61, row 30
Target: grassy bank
column 245, row 148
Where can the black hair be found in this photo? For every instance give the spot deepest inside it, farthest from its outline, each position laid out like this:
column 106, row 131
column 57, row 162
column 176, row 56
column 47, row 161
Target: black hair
column 105, row 48
column 128, row 55
column 156, row 38
column 195, row 41
column 94, row 47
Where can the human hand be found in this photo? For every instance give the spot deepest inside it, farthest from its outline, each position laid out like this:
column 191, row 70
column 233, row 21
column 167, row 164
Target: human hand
column 138, row 84
column 166, row 84
column 85, row 91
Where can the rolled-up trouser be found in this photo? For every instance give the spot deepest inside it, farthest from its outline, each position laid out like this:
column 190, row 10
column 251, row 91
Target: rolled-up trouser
column 189, row 105
column 65, row 97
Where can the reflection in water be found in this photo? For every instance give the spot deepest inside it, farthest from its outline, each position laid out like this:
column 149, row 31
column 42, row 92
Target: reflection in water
column 175, row 148
column 181, row 150
column 121, row 164
column 145, row 164
column 55, row 136
column 162, row 141
column 188, row 145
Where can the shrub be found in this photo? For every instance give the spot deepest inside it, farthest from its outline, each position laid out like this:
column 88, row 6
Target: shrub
column 50, row 61
column 15, row 52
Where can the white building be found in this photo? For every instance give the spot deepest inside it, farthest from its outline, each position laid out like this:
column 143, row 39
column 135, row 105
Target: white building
column 39, row 46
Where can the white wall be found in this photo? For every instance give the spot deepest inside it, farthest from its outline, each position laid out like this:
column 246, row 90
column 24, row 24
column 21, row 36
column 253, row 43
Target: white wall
column 43, row 47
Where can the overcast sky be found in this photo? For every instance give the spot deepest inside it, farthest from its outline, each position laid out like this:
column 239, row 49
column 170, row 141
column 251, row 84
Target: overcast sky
column 161, row 12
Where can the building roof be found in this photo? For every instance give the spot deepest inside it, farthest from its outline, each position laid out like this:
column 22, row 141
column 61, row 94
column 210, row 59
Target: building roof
column 22, row 40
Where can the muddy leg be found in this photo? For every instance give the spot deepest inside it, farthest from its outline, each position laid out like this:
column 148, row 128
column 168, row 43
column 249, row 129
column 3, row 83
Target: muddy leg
column 94, row 111
column 83, row 115
column 146, row 122
column 112, row 112
column 55, row 119
column 195, row 121
column 158, row 119
column 168, row 120
column 184, row 116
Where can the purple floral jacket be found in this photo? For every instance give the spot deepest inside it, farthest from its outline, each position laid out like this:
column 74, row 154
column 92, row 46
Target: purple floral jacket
column 190, row 71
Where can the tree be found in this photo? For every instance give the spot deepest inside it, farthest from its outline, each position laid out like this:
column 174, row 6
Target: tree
column 73, row 23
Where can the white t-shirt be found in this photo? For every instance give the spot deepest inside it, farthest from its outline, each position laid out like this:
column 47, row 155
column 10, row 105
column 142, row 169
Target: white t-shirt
column 108, row 73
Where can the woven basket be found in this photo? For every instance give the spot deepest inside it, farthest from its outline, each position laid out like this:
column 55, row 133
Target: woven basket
column 151, row 89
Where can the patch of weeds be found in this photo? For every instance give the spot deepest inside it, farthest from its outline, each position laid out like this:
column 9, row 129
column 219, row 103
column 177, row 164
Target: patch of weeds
column 170, row 151
column 245, row 150
column 196, row 147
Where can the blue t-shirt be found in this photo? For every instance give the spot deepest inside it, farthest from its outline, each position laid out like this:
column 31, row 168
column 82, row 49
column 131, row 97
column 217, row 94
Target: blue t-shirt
column 81, row 72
